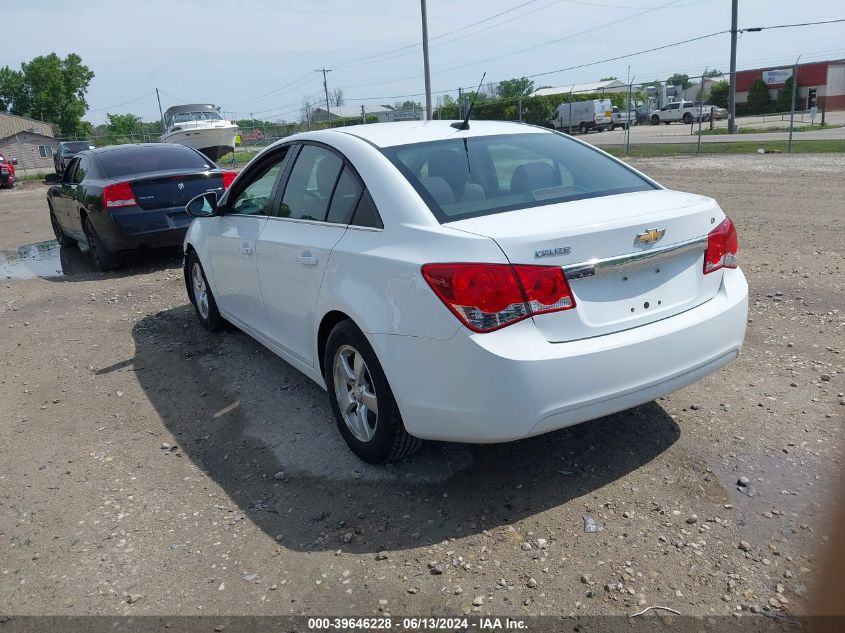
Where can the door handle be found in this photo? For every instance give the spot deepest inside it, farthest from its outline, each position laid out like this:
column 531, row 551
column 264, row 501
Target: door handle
column 307, row 259
column 246, row 249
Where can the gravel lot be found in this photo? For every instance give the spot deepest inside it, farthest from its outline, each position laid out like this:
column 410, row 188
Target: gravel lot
column 152, row 468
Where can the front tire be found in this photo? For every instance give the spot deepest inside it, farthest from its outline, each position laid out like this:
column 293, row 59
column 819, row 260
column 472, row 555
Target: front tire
column 655, row 120
column 103, row 257
column 361, row 399
column 201, row 296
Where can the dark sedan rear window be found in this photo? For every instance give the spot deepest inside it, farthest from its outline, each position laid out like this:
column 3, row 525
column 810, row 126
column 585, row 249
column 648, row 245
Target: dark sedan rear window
column 463, row 178
column 132, row 160
column 73, row 148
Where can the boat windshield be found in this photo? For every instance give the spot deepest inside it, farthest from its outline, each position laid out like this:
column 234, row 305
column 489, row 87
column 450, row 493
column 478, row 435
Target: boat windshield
column 185, row 117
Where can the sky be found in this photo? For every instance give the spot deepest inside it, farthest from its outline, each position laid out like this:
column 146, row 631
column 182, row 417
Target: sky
column 258, row 58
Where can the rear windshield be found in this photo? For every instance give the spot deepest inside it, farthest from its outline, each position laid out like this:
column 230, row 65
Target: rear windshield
column 463, row 178
column 138, row 160
column 72, row 148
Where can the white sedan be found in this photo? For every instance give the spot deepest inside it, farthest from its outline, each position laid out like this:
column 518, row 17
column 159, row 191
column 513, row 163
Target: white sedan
column 477, row 285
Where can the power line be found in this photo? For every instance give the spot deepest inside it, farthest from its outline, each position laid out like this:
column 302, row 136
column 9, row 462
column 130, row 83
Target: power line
column 366, row 59
column 275, row 90
column 756, row 29
column 530, row 48
column 117, row 105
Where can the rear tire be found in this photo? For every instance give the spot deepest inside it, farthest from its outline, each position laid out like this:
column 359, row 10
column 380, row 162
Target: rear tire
column 362, row 402
column 103, row 257
column 62, row 238
column 201, row 296
column 655, row 120
column 687, row 118
column 583, row 128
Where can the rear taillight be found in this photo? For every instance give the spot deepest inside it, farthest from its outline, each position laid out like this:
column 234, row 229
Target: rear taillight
column 118, row 196
column 722, row 247
column 228, row 177
column 486, row 297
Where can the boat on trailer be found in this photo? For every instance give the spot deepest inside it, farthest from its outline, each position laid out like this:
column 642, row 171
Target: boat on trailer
column 201, row 126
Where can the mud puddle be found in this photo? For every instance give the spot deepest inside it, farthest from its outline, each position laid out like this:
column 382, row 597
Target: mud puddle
column 48, row 260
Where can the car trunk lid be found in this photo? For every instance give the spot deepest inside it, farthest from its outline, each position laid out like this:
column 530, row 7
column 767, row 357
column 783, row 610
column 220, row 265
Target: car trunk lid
column 618, row 281
column 173, row 190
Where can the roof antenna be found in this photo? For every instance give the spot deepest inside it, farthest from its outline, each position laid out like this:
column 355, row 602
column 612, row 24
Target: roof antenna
column 464, row 125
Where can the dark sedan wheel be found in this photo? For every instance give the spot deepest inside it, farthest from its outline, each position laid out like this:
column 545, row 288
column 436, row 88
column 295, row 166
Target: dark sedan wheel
column 363, row 404
column 61, row 237
column 201, row 296
column 103, row 257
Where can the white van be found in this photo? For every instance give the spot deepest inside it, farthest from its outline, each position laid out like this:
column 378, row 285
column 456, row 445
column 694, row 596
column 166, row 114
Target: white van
column 584, row 116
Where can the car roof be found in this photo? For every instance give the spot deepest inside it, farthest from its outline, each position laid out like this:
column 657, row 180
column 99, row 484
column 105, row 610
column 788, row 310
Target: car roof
column 407, row 132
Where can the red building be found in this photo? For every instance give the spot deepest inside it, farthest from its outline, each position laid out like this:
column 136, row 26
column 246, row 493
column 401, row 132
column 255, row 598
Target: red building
column 827, row 79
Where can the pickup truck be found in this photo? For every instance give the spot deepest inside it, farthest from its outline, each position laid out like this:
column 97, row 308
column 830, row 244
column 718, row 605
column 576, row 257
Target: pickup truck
column 679, row 112
column 623, row 119
column 7, row 172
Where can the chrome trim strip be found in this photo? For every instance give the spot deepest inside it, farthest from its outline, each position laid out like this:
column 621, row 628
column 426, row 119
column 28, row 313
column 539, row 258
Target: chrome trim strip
column 596, row 267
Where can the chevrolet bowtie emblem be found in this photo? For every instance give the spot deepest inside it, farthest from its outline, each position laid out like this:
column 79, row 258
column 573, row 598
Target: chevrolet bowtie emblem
column 650, row 236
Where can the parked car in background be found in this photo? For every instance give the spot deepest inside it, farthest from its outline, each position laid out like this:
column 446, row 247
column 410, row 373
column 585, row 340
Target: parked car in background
column 66, row 151
column 583, row 116
column 623, row 119
column 128, row 197
column 679, row 112
column 716, row 112
column 643, row 114
column 7, row 172
column 471, row 285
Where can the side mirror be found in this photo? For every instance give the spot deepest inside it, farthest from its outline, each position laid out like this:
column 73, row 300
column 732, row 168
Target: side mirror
column 203, row 205
column 14, row 161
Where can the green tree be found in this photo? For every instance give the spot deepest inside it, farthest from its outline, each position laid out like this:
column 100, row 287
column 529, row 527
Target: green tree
column 679, row 79
column 759, row 101
column 714, row 73
column 514, row 88
column 50, row 89
column 120, row 127
column 785, row 102
column 719, row 94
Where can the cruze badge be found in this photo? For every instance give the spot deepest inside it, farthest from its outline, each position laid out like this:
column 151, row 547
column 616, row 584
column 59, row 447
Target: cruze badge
column 181, row 185
column 551, row 252
column 650, row 236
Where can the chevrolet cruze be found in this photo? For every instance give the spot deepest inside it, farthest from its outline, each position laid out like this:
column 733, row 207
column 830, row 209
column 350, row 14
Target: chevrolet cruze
column 471, row 285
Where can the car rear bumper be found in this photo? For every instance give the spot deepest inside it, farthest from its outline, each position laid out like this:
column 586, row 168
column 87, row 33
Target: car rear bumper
column 513, row 383
column 135, row 228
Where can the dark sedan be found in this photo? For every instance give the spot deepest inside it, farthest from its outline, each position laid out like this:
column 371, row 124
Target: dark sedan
column 130, row 197
column 66, row 151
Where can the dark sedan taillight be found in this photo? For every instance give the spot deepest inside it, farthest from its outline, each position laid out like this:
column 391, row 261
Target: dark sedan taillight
column 118, row 196
column 228, row 178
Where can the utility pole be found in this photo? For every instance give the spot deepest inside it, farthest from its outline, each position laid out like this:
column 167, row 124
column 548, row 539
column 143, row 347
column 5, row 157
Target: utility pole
column 425, row 61
column 460, row 103
column 792, row 105
column 732, row 89
column 163, row 130
column 701, row 107
column 325, row 70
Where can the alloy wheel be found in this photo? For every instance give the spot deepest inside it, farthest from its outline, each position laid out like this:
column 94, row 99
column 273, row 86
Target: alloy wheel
column 200, row 290
column 355, row 393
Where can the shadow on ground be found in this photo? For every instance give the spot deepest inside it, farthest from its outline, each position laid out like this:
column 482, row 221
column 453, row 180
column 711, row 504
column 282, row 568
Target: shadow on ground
column 242, row 415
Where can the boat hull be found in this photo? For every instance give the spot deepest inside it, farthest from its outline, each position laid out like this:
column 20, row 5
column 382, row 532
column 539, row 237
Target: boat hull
column 214, row 142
